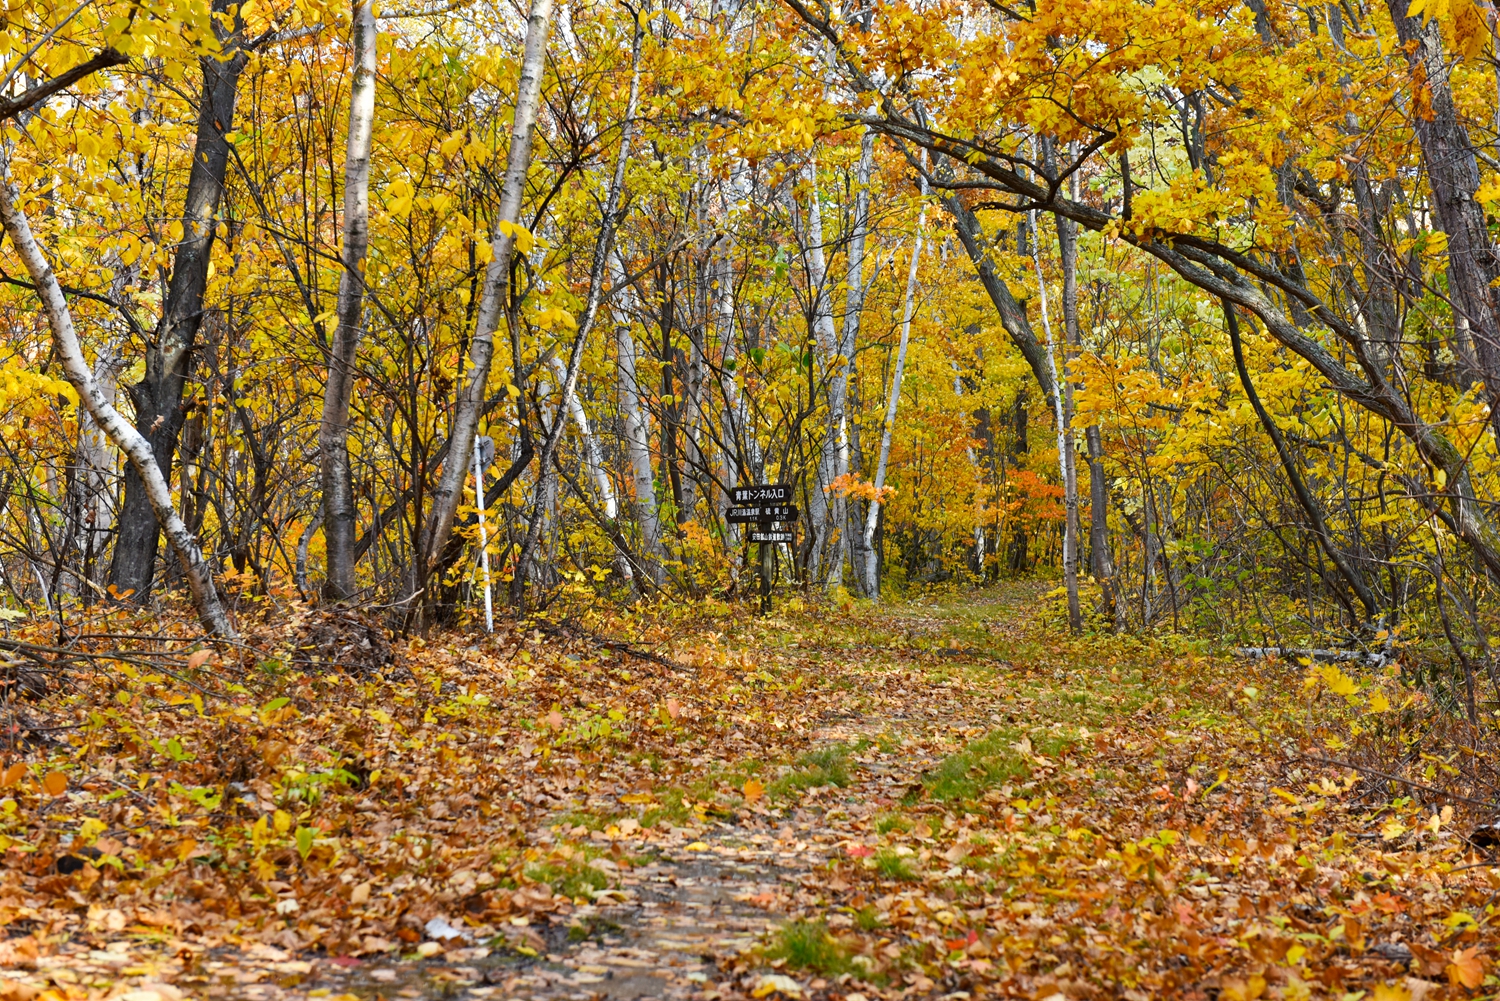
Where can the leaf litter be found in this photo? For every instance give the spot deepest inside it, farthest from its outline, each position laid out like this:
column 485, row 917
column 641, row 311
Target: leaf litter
column 938, row 799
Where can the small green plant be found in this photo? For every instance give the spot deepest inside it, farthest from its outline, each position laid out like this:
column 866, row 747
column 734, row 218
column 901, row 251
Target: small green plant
column 806, row 945
column 671, row 807
column 827, row 766
column 888, row 822
column 572, row 878
column 867, row 918
column 891, row 865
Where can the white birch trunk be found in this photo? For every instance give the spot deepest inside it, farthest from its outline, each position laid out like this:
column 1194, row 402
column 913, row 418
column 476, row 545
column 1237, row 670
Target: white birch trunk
column 871, row 581
column 819, row 520
column 637, row 433
column 495, row 291
column 120, row 431
column 593, row 458
column 603, row 248
column 1065, row 461
column 854, row 305
column 339, row 514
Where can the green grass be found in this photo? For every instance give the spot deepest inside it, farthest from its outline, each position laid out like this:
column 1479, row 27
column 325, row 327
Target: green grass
column 827, row 766
column 672, row 807
column 890, row 865
column 888, row 822
column 806, row 945
column 983, row 764
column 867, row 918
column 573, row 878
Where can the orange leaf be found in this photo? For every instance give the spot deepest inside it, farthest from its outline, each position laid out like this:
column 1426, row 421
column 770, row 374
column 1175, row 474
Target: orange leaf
column 56, row 783
column 198, row 659
column 1467, row 968
column 555, row 720
column 673, row 708
column 753, row 790
column 13, row 774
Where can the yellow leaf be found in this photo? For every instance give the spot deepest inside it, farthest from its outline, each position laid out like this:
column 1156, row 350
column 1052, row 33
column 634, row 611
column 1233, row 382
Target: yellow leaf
column 1379, row 703
column 697, row 846
column 524, row 240
column 753, row 790
column 1338, row 682
column 637, row 798
column 1391, row 992
column 451, row 144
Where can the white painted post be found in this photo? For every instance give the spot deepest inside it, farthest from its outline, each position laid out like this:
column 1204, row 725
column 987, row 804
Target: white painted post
column 484, row 541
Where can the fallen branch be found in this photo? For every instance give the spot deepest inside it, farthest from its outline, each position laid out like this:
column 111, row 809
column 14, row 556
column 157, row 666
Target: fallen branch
column 1370, row 659
column 1488, row 804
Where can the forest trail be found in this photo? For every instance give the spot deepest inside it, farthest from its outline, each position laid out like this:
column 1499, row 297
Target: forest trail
column 938, row 799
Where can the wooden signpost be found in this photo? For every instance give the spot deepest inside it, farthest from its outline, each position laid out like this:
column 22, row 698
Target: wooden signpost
column 764, row 505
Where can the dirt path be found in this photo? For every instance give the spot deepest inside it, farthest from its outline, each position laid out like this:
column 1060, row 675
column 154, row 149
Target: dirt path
column 939, row 800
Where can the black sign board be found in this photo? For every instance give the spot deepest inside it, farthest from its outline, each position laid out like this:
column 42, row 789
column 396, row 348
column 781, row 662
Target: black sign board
column 764, row 512
column 770, row 536
column 763, row 493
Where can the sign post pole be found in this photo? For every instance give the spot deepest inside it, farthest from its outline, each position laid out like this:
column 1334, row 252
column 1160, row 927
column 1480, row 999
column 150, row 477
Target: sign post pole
column 766, row 549
column 764, row 505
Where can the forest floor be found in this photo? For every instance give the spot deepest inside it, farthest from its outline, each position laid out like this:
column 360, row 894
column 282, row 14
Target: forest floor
column 942, row 798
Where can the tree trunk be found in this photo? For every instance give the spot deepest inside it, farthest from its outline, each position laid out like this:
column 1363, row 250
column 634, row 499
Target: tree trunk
column 870, row 582
column 637, row 437
column 820, row 521
column 126, row 438
column 339, row 515
column 603, row 248
column 494, row 295
column 1061, row 407
column 1099, row 554
column 1453, row 176
column 158, row 396
column 854, row 305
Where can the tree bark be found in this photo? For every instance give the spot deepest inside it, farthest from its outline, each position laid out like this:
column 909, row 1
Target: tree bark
column 158, row 396
column 854, row 305
column 1061, row 406
column 135, row 446
column 1453, row 176
column 494, row 294
column 637, row 438
column 870, row 582
column 339, row 515
column 603, row 248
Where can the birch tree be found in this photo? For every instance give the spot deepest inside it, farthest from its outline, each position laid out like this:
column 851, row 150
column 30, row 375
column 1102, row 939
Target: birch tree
column 494, row 294
column 125, row 437
column 339, row 514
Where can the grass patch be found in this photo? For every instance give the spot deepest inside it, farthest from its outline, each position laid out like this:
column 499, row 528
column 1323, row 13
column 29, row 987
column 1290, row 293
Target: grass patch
column 888, row 822
column 671, row 807
column 572, row 878
column 827, row 766
column 985, row 763
column 806, row 945
column 891, row 865
column 867, row 918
